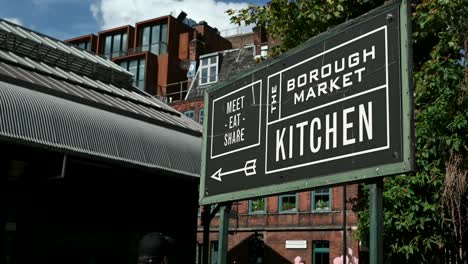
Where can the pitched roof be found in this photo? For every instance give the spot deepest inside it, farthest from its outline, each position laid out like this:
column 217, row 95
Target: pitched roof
column 59, row 96
column 231, row 62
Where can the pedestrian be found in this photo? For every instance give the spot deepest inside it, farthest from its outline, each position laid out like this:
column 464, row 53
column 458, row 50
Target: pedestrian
column 297, row 260
column 154, row 248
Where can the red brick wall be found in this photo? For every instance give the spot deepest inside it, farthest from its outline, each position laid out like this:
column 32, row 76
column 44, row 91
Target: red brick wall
column 240, row 41
column 275, row 251
column 189, row 105
column 279, row 227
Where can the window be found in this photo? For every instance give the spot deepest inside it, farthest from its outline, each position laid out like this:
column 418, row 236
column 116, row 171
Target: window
column 264, row 51
column 208, row 69
column 137, row 67
column 154, row 39
column 321, row 201
column 321, row 252
column 257, row 206
column 198, row 253
column 83, row 45
column 201, row 115
column 115, row 45
column 288, row 203
column 214, row 252
column 190, row 114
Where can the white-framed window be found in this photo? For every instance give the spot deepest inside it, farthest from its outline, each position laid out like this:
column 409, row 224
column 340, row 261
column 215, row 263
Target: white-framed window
column 209, row 69
column 264, row 50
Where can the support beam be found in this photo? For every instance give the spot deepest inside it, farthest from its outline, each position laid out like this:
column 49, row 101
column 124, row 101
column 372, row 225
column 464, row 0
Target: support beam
column 3, row 216
column 376, row 222
column 206, row 219
column 223, row 233
column 345, row 247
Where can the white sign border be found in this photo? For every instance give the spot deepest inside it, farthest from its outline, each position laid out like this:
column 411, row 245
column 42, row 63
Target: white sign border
column 259, row 120
column 330, row 103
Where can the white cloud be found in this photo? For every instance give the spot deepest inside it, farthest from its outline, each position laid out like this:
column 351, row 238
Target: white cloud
column 14, row 20
column 114, row 13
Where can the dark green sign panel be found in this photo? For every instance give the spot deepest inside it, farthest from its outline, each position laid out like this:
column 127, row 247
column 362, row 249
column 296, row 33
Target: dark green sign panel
column 335, row 110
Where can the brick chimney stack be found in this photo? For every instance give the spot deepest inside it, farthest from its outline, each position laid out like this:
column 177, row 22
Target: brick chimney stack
column 259, row 37
column 196, row 47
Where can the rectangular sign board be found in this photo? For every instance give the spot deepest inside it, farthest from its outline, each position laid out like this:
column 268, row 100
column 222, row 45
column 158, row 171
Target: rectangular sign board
column 337, row 109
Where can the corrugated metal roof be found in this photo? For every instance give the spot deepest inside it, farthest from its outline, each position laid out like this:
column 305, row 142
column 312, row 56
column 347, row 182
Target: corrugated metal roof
column 146, row 108
column 55, row 95
column 41, row 48
column 34, row 117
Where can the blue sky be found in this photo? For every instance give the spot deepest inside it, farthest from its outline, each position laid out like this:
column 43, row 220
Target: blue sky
column 65, row 19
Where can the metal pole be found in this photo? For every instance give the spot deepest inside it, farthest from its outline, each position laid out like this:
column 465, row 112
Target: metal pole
column 3, row 216
column 223, row 233
column 345, row 249
column 206, row 233
column 376, row 222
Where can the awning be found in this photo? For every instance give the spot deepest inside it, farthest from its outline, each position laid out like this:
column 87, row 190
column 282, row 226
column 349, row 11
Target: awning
column 32, row 117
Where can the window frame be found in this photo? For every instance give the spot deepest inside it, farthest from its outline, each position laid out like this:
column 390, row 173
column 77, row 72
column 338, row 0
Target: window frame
column 162, row 35
column 280, row 204
column 207, row 67
column 214, row 246
column 191, row 112
column 319, row 250
column 201, row 114
column 312, row 201
column 264, row 211
column 140, row 75
column 122, row 43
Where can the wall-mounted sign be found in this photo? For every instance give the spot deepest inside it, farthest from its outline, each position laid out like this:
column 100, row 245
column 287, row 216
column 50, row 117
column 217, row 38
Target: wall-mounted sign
column 335, row 110
column 296, row 244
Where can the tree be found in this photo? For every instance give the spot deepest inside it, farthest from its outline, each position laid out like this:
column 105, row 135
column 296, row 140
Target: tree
column 425, row 211
column 293, row 22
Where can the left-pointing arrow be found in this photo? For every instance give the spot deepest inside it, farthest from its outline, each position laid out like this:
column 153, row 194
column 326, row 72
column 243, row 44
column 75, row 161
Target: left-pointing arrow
column 249, row 169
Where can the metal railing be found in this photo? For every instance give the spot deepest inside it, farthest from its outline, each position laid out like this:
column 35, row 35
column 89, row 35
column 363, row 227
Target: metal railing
column 155, row 48
column 235, row 31
column 178, row 91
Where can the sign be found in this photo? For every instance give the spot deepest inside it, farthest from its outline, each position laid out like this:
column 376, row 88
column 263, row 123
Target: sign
column 296, row 244
column 335, row 110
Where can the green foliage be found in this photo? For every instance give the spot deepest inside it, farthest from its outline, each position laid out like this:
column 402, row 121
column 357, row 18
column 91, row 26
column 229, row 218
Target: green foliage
column 416, row 224
column 293, row 22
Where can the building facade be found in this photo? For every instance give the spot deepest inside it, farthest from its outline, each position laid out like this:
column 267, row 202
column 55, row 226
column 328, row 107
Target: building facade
column 157, row 51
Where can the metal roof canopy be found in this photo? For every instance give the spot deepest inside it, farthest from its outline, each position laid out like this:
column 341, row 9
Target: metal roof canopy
column 66, row 56
column 259, row 162
column 34, row 118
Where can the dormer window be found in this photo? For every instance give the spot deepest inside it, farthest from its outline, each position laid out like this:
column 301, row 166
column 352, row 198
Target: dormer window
column 208, row 69
column 115, row 45
column 154, row 39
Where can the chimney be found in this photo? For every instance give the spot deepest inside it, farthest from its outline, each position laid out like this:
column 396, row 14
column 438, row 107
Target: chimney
column 259, row 37
column 196, row 47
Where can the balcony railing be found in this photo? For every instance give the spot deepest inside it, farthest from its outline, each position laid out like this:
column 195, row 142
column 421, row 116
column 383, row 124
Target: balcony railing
column 155, row 48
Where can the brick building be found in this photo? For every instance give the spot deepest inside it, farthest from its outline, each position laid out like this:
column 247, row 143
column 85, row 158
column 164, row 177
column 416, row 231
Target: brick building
column 156, row 51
